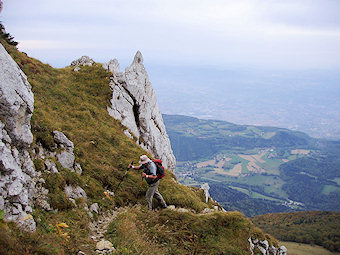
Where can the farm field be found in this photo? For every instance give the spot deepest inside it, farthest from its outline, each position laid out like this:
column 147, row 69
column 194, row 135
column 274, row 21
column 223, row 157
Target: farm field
column 261, row 169
column 256, row 169
column 306, row 249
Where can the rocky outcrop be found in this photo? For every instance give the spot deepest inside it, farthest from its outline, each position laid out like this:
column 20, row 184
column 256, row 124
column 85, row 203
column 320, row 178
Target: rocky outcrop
column 134, row 103
column 206, row 187
column 16, row 166
column 83, row 61
column 265, row 248
column 62, row 152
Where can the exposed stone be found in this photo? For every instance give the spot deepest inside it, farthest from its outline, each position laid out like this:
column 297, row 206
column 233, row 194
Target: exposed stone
column 134, row 103
column 16, row 100
column 265, row 249
column 112, row 66
column 171, row 207
column 74, row 192
column 17, row 169
column 206, row 188
column 94, row 208
column 183, row 210
column 61, row 139
column 104, row 247
column 78, row 168
column 40, row 195
column 51, row 166
column 66, row 159
column 282, row 250
column 83, row 61
column 208, row 210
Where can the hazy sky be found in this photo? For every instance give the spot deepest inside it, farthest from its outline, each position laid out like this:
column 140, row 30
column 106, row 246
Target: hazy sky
column 288, row 34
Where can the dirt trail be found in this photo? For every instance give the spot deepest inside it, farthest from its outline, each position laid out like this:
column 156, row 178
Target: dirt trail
column 99, row 227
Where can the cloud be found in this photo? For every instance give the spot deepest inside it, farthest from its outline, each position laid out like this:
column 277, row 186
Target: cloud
column 47, row 44
column 281, row 33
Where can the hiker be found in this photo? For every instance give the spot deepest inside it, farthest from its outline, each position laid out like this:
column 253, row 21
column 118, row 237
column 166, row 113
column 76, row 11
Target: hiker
column 149, row 173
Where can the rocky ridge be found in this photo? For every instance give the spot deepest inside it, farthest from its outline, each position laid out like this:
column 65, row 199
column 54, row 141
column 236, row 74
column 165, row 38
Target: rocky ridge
column 134, row 103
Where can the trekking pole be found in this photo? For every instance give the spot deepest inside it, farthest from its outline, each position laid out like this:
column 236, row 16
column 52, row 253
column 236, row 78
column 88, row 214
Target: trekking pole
column 122, row 178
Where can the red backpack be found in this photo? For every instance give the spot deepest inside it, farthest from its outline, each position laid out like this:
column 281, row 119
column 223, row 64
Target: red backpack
column 160, row 169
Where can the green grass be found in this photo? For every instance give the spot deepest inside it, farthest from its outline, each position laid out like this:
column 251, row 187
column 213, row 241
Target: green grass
column 330, row 188
column 306, row 249
column 141, row 232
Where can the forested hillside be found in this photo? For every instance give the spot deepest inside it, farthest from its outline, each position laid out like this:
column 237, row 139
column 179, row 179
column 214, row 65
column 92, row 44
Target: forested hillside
column 256, row 169
column 321, row 228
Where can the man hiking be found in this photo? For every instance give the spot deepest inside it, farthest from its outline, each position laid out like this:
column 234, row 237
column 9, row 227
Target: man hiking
column 149, row 173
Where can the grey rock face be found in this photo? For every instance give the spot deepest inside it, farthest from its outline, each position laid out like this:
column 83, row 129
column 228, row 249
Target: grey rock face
column 112, row 66
column 65, row 157
column 83, row 61
column 134, row 103
column 16, row 100
column 94, row 208
column 16, row 166
column 62, row 140
column 75, row 192
column 264, row 248
column 206, row 188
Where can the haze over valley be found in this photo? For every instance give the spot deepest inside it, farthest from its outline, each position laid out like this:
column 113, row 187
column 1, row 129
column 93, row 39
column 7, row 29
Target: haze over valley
column 307, row 101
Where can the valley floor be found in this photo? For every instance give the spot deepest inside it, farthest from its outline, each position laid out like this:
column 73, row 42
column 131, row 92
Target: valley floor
column 306, row 249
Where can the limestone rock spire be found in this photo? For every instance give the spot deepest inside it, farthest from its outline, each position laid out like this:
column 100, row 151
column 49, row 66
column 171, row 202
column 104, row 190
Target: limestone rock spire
column 134, row 102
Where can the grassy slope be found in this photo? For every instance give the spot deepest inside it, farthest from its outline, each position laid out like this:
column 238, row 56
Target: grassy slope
column 75, row 103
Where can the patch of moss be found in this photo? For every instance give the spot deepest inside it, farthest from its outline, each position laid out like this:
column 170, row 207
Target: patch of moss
column 39, row 165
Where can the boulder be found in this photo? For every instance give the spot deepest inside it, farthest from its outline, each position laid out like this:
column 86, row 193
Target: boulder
column 66, row 159
column 104, row 247
column 83, row 61
column 61, row 139
column 74, row 192
column 94, row 208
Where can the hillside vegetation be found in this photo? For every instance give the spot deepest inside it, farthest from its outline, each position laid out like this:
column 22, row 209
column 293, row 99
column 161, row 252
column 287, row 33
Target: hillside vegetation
column 321, row 228
column 75, row 103
column 256, row 169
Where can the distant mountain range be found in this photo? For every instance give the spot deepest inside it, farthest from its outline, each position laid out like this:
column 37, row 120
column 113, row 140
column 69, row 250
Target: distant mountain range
column 256, row 169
